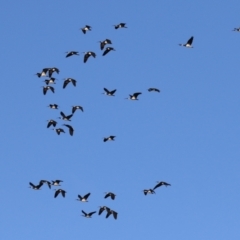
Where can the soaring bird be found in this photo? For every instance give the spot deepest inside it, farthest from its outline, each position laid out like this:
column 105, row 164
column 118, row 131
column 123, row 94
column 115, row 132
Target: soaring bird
column 84, row 198
column 153, row 90
column 109, row 93
column 63, row 192
column 52, row 70
column 161, row 184
column 109, row 212
column 64, row 117
column 86, row 28
column 68, row 80
column 53, row 106
column 69, row 54
column 110, row 138
column 134, row 96
column 46, row 88
column 59, row 130
column 56, row 182
column 88, row 215
column 188, row 44
column 120, row 25
column 70, row 128
column 50, row 81
column 87, row 55
column 46, row 182
column 74, row 108
column 107, row 50
column 102, row 209
column 105, row 42
column 35, row 187
column 110, row 194
column 148, row 191
column 51, row 122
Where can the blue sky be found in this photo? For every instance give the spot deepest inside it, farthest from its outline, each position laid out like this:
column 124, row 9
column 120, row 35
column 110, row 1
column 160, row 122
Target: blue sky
column 188, row 135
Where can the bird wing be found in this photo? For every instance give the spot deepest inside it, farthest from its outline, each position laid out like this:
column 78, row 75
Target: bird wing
column 32, row 184
column 63, row 193
column 93, row 54
column 56, row 193
column 136, row 94
column 74, row 83
column 91, row 213
column 84, row 31
column 70, row 129
column 44, row 90
column 112, row 196
column 105, row 139
column 108, row 41
column 158, row 185
column 114, row 214
column 80, row 197
column 73, row 110
column 190, row 41
column 106, row 51
column 84, row 213
column 109, row 212
column 87, row 195
column 66, row 82
column 69, row 54
column 100, row 211
column 113, row 91
column 62, row 114
column 108, row 194
column 106, row 90
column 52, row 88
column 102, row 44
column 69, row 116
column 86, row 56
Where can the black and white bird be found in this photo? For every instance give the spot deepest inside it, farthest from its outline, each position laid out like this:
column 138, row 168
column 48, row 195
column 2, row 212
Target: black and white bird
column 74, row 108
column 43, row 73
column 35, row 187
column 46, row 88
column 68, row 80
column 50, row 81
column 63, row 192
column 46, row 182
column 56, row 182
column 110, row 194
column 236, row 29
column 87, row 55
column 64, row 117
column 153, row 90
column 110, row 211
column 120, row 25
column 53, row 106
column 188, row 44
column 86, row 28
column 104, row 43
column 109, row 93
column 102, row 208
column 148, row 191
column 107, row 50
column 51, row 123
column 110, row 138
column 161, row 184
column 88, row 215
column 70, row 128
column 134, row 96
column 69, row 54
column 84, row 198
column 52, row 70
column 59, row 130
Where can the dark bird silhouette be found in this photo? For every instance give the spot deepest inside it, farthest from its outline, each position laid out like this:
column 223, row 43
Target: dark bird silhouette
column 134, row 96
column 69, row 54
column 56, row 182
column 50, row 81
column 43, row 73
column 52, row 70
column 86, row 28
column 236, row 29
column 188, row 44
column 46, row 182
column 60, row 191
column 102, row 209
column 68, row 80
column 59, row 130
column 109, row 212
column 153, row 90
column 110, row 194
column 148, row 191
column 107, row 50
column 53, row 106
column 70, row 128
column 51, row 122
column 64, row 117
column 109, row 93
column 74, row 108
column 110, row 138
column 161, row 184
column 35, row 187
column 87, row 55
column 88, row 215
column 46, row 88
column 120, row 25
column 104, row 43
column 84, row 198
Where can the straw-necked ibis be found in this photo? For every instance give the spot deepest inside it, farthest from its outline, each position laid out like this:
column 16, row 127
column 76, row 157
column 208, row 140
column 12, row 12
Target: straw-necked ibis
column 188, row 44
column 110, row 138
column 64, row 117
column 68, row 80
column 110, row 194
column 35, row 187
column 46, row 88
column 63, row 192
column 153, row 90
column 105, row 42
column 88, row 215
column 70, row 128
column 51, row 122
column 120, row 25
column 134, row 96
column 69, row 54
column 84, row 198
column 161, row 184
column 109, row 93
column 87, row 55
column 107, row 50
column 74, row 108
column 86, row 28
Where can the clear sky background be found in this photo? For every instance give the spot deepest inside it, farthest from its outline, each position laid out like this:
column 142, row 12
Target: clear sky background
column 187, row 135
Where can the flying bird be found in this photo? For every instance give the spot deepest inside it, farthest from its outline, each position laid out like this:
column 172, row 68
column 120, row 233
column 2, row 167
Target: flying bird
column 70, row 128
column 134, row 96
column 43, row 73
column 64, row 117
column 35, row 187
column 110, row 138
column 148, row 191
column 188, row 44
column 105, row 42
column 46, row 88
column 120, row 25
column 50, row 81
column 56, row 182
column 86, row 28
column 153, row 90
column 161, row 184
column 109, row 212
column 59, row 191
column 51, row 122
column 110, row 194
column 107, row 50
column 88, row 215
column 53, row 106
column 69, row 54
column 84, row 198
column 46, row 182
column 102, row 209
column 68, row 80
column 52, row 70
column 87, row 55
column 59, row 130
column 236, row 29
column 109, row 93
column 74, row 108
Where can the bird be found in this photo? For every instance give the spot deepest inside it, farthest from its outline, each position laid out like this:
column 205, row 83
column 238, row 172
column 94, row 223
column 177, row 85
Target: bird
column 63, row 192
column 59, row 130
column 153, row 90
column 69, row 54
column 134, row 96
column 71, row 130
column 148, row 191
column 120, row 25
column 236, row 29
column 87, row 55
column 109, row 93
column 35, row 187
column 161, row 184
column 109, row 212
column 102, row 209
column 46, row 88
column 88, row 215
column 84, row 198
column 74, row 108
column 47, row 182
column 110, row 138
column 68, row 80
column 110, row 194
column 43, row 73
column 64, row 117
column 56, row 182
column 107, row 50
column 53, row 106
column 51, row 122
column 52, row 70
column 50, row 81
column 86, row 28
column 188, row 44
column 103, row 43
